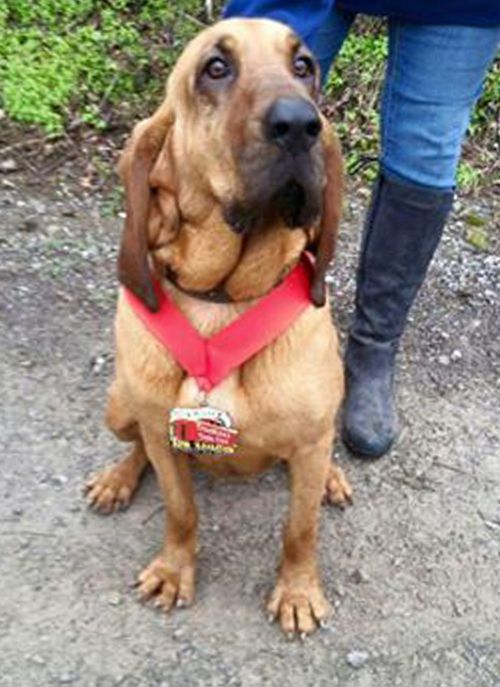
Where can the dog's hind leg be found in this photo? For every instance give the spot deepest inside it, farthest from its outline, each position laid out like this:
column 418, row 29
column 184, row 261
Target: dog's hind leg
column 113, row 487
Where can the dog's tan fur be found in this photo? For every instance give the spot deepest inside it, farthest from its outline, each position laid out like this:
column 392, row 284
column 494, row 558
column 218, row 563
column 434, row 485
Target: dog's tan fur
column 179, row 173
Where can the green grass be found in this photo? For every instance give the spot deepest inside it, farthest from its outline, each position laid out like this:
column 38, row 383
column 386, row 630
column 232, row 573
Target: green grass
column 354, row 86
column 102, row 64
column 65, row 62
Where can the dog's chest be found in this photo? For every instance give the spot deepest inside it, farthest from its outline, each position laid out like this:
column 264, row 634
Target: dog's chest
column 263, row 408
column 257, row 429
column 209, row 318
column 278, row 399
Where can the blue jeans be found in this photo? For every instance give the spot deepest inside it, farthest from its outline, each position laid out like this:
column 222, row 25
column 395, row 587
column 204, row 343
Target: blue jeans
column 433, row 79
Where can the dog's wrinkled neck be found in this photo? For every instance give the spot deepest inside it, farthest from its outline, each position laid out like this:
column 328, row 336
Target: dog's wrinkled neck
column 215, row 295
column 213, row 263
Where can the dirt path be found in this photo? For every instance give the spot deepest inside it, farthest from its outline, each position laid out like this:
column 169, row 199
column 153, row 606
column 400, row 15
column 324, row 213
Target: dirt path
column 413, row 567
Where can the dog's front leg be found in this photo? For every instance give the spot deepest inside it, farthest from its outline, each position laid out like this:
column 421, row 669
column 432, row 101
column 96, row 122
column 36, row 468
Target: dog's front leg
column 170, row 576
column 298, row 600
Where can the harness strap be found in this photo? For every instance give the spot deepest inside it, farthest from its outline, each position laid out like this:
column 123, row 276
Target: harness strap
column 210, row 360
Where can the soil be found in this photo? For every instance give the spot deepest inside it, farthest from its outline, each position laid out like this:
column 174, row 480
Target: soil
column 412, row 567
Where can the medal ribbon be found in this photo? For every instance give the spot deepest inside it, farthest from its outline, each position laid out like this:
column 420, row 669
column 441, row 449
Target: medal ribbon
column 210, row 360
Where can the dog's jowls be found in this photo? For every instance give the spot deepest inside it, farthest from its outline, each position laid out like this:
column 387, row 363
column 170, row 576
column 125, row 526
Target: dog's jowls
column 231, row 179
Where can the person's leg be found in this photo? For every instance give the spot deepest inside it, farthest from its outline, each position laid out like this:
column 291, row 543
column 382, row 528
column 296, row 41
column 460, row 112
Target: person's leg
column 303, row 16
column 434, row 76
column 326, row 42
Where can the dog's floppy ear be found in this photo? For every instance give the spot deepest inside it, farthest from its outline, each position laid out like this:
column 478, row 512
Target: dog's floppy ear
column 332, row 210
column 134, row 168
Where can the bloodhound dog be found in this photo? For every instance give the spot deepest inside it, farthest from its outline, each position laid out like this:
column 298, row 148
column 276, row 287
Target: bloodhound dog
column 227, row 184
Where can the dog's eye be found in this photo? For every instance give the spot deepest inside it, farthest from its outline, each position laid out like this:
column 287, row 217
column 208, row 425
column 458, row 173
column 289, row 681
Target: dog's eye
column 217, row 68
column 303, row 67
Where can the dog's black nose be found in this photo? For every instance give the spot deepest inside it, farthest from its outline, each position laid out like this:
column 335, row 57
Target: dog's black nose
column 293, row 124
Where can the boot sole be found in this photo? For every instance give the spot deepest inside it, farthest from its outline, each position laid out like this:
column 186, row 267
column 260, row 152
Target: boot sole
column 363, row 453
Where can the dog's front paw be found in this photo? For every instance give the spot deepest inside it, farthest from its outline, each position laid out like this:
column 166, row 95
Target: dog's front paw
column 299, row 605
column 338, row 491
column 169, row 581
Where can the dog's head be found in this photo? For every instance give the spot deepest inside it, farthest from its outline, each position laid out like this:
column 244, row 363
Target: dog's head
column 240, row 130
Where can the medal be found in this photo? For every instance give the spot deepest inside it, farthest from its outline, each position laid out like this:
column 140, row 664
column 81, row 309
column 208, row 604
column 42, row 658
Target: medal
column 202, row 431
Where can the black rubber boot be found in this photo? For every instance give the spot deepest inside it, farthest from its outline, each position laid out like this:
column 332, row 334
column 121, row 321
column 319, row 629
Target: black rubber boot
column 403, row 228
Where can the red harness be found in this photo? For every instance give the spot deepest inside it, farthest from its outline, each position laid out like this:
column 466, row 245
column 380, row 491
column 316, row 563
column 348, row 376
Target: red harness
column 210, row 360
